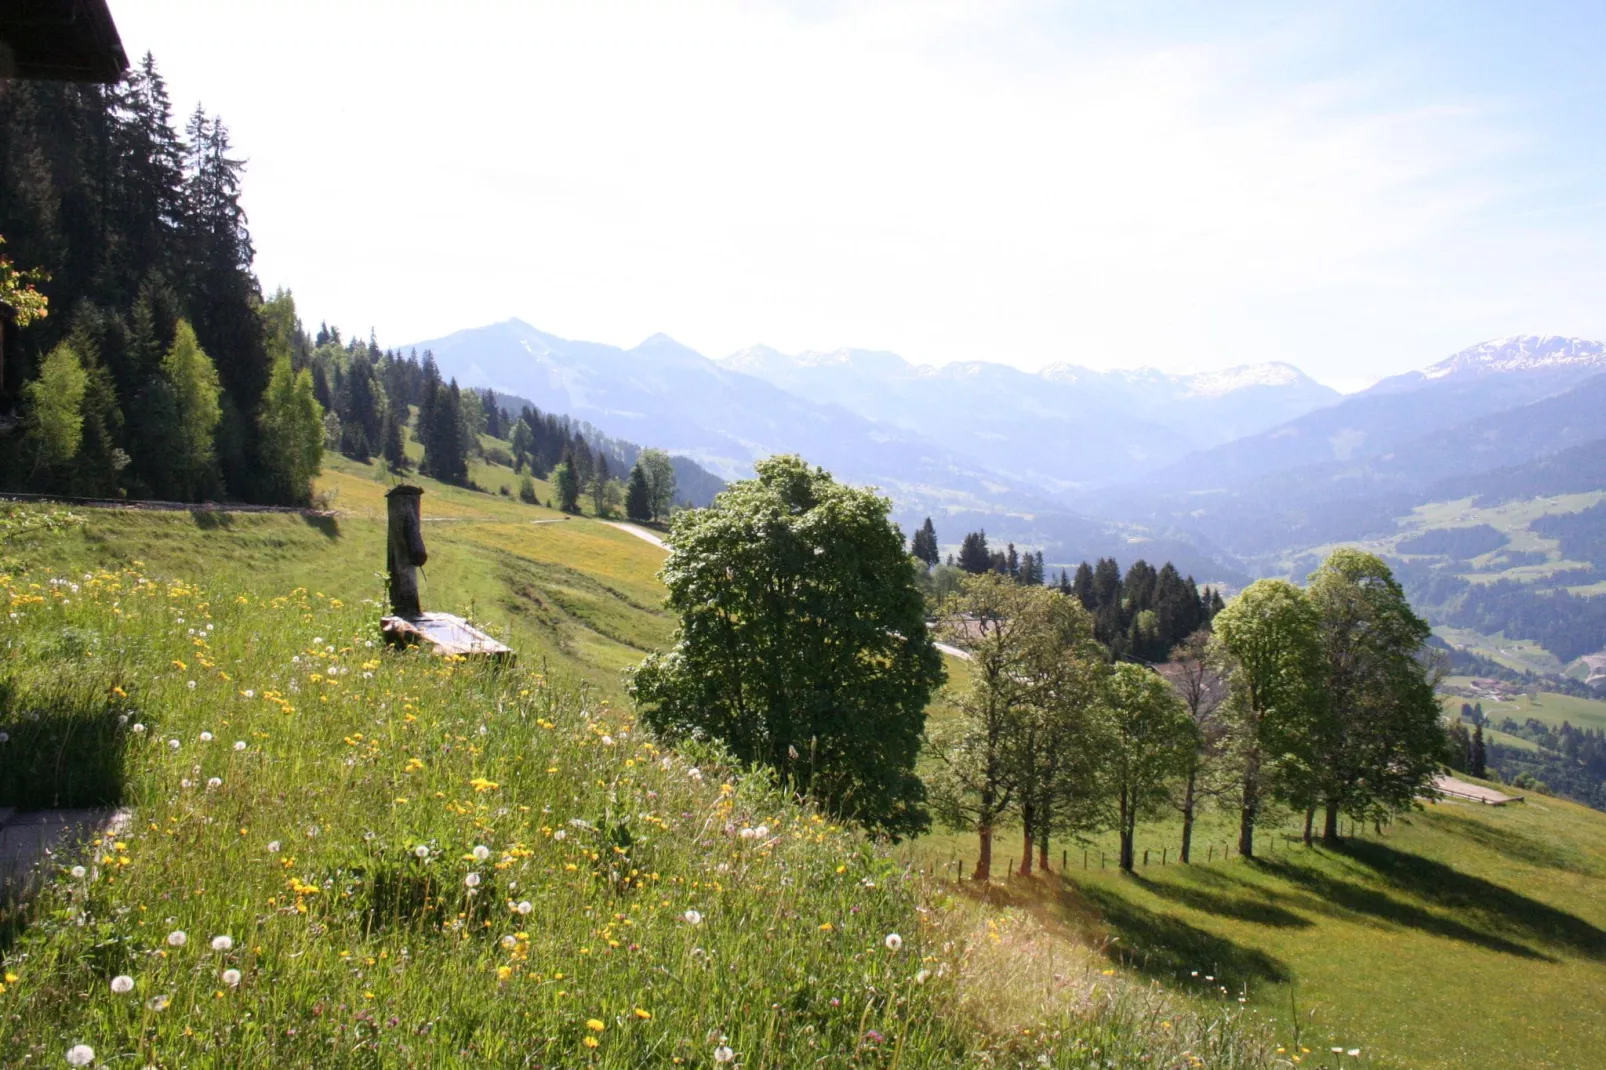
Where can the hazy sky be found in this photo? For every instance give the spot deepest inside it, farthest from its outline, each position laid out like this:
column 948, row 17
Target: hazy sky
column 1356, row 188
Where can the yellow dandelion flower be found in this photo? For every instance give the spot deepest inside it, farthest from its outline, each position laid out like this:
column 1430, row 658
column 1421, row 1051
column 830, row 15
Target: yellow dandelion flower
column 590, row 1042
column 645, row 1016
column 595, row 1025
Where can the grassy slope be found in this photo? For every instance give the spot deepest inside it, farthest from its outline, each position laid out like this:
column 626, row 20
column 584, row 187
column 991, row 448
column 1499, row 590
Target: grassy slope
column 1463, row 937
column 340, row 965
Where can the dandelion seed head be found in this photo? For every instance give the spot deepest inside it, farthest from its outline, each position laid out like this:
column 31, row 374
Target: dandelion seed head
column 472, row 880
column 508, row 943
column 137, row 728
column 157, row 1003
column 525, row 907
column 79, row 872
column 421, row 851
column 173, row 744
column 894, row 942
column 122, row 984
column 481, row 853
column 206, row 737
column 922, row 977
column 231, row 977
column 177, row 938
column 222, row 943
column 692, row 917
column 723, row 1054
column 762, row 832
column 239, row 744
column 214, row 783
column 273, row 847
column 191, row 685
column 80, row 1055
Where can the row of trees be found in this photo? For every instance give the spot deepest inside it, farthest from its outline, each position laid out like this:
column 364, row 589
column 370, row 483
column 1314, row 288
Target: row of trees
column 1308, row 698
column 160, row 370
column 802, row 647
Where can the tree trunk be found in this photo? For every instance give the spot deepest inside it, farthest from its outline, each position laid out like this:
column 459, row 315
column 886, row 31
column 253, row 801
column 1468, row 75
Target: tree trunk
column 1310, row 818
column 1042, row 848
column 1330, row 826
column 1026, row 815
column 1251, row 808
column 404, row 549
column 1127, row 823
column 984, row 855
column 1187, row 818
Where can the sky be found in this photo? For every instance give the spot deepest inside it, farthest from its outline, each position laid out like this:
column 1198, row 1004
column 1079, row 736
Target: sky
column 1358, row 188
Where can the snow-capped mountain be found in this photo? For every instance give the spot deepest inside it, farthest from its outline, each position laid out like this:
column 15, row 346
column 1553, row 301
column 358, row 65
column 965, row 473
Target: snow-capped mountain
column 1064, row 426
column 1531, row 356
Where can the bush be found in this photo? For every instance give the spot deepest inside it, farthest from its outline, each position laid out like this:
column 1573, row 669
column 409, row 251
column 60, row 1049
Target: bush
column 527, row 491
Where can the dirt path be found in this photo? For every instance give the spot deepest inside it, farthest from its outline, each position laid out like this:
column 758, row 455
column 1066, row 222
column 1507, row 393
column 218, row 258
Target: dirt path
column 953, row 651
column 640, row 533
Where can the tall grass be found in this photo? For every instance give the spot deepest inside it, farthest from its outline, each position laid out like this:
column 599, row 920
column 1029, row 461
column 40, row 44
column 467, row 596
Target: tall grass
column 421, row 862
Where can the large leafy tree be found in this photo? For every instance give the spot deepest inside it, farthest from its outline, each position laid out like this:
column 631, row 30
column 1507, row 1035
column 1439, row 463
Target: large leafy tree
column 1195, row 672
column 54, row 415
column 802, row 643
column 1024, row 741
column 1152, row 740
column 1380, row 742
column 660, row 473
column 192, row 378
column 1269, row 634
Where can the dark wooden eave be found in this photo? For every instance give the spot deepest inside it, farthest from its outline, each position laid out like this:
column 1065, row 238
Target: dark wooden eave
column 60, row 40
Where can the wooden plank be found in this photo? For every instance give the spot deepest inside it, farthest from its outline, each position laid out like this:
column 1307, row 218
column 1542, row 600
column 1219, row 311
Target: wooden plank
column 445, row 634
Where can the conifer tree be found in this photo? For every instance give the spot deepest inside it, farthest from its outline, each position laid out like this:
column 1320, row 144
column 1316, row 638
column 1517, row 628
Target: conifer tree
column 924, row 546
column 566, row 481
column 638, row 496
column 974, row 556
column 193, row 380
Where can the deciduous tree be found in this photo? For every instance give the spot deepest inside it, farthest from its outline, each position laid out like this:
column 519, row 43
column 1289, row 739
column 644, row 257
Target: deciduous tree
column 802, row 642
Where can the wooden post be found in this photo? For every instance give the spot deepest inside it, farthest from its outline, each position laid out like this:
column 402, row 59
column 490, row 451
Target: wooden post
column 404, row 551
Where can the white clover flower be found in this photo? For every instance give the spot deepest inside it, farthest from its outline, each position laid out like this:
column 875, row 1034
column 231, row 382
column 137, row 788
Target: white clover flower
column 481, row 853
column 206, row 737
column 231, row 977
column 692, row 917
column 176, row 938
column 239, row 744
column 80, row 1055
column 472, row 880
column 222, row 943
column 421, row 851
column 273, row 847
column 723, row 1054
column 524, row 907
column 122, row 984
column 214, row 783
column 78, row 872
column 157, row 1003
column 894, row 942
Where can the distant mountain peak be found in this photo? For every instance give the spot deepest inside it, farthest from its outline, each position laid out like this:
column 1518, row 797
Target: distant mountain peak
column 1518, row 353
column 1244, row 377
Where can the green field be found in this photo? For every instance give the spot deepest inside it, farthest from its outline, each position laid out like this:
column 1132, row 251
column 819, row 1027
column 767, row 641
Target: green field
column 1461, row 937
column 1549, row 708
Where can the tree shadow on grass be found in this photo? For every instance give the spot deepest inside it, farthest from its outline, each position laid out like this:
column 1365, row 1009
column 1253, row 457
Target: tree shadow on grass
column 1513, row 844
column 1239, row 908
column 1498, row 907
column 1371, row 902
column 1165, row 947
column 327, row 526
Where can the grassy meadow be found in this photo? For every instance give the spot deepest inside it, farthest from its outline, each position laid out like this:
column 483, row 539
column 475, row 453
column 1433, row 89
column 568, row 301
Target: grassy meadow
column 420, row 862
column 1462, row 936
column 339, row 855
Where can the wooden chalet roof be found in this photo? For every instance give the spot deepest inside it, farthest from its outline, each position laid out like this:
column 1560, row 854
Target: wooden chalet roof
column 61, row 40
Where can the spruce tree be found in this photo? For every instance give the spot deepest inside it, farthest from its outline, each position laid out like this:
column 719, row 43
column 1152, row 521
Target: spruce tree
column 974, row 556
column 924, row 546
column 638, row 496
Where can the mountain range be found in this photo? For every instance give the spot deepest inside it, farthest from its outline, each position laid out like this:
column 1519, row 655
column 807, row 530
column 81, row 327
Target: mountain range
column 1218, row 470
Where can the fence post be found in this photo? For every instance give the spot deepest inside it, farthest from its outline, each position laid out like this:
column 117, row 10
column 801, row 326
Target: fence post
column 1163, row 851
column 1084, row 858
column 1101, row 859
column 1211, row 856
column 1145, row 856
column 1062, row 861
